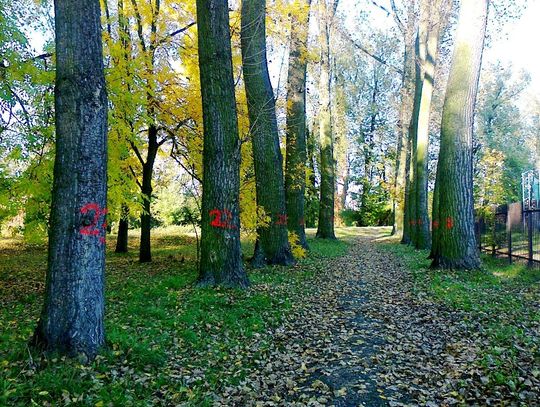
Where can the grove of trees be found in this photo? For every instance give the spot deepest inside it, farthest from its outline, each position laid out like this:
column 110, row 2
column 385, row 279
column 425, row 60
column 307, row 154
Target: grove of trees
column 266, row 117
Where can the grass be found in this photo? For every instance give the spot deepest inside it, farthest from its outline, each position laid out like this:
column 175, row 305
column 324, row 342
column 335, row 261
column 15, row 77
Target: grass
column 166, row 339
column 503, row 297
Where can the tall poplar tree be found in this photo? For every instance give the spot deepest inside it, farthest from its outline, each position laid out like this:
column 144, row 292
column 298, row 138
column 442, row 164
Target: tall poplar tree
column 71, row 321
column 454, row 242
column 432, row 17
column 272, row 245
column 325, row 227
column 221, row 256
column 401, row 225
column 296, row 155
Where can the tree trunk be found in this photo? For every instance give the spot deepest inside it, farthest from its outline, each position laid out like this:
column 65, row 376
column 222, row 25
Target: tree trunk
column 405, row 113
column 325, row 227
column 221, row 256
column 427, row 37
column 408, row 202
column 433, row 16
column 123, row 228
column 455, row 245
column 312, row 196
column 145, row 251
column 71, row 320
column 346, row 182
column 273, row 244
column 295, row 162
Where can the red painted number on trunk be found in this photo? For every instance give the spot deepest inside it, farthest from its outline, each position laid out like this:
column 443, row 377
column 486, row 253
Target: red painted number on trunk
column 93, row 228
column 222, row 219
column 281, row 220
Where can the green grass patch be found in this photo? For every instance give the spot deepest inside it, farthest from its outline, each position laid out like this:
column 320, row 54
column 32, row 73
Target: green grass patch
column 501, row 296
column 160, row 328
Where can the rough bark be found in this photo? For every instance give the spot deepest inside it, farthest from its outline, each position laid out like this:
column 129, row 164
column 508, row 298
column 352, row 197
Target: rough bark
column 455, row 245
column 123, row 229
column 71, row 320
column 325, row 228
column 272, row 240
column 296, row 156
column 221, row 256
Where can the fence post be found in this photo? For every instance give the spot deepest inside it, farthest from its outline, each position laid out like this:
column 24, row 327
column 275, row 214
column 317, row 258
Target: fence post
column 530, row 237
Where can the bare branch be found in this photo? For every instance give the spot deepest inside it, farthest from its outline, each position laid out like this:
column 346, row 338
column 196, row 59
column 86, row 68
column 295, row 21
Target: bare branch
column 396, row 16
column 368, row 52
column 174, row 33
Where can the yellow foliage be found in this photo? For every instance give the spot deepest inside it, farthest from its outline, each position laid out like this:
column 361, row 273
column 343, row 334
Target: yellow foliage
column 297, row 250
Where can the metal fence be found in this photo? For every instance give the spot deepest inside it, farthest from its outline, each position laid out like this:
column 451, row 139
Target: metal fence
column 510, row 231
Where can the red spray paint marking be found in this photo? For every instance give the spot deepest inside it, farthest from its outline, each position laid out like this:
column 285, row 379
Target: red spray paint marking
column 435, row 224
column 449, row 223
column 93, row 229
column 222, row 219
column 281, row 220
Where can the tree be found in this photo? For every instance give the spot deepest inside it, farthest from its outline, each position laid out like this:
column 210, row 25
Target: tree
column 401, row 224
column 123, row 229
column 221, row 256
column 296, row 155
column 501, row 146
column 432, row 17
column 325, row 228
column 454, row 242
column 143, row 88
column 71, row 321
column 272, row 246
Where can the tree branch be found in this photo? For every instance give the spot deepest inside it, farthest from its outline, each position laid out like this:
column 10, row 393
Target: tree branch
column 139, row 24
column 137, row 152
column 179, row 31
column 135, row 177
column 396, row 16
column 347, row 37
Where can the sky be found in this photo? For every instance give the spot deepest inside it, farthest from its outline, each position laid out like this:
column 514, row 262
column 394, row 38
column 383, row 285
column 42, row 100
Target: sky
column 520, row 47
column 515, row 44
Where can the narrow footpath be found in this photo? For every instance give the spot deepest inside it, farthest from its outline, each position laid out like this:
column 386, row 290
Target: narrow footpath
column 364, row 335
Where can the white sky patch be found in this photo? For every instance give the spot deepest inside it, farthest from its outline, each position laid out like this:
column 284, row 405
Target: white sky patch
column 520, row 46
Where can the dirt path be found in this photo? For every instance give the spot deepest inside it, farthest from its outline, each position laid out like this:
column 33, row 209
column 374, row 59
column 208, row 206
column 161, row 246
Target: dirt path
column 392, row 346
column 363, row 336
